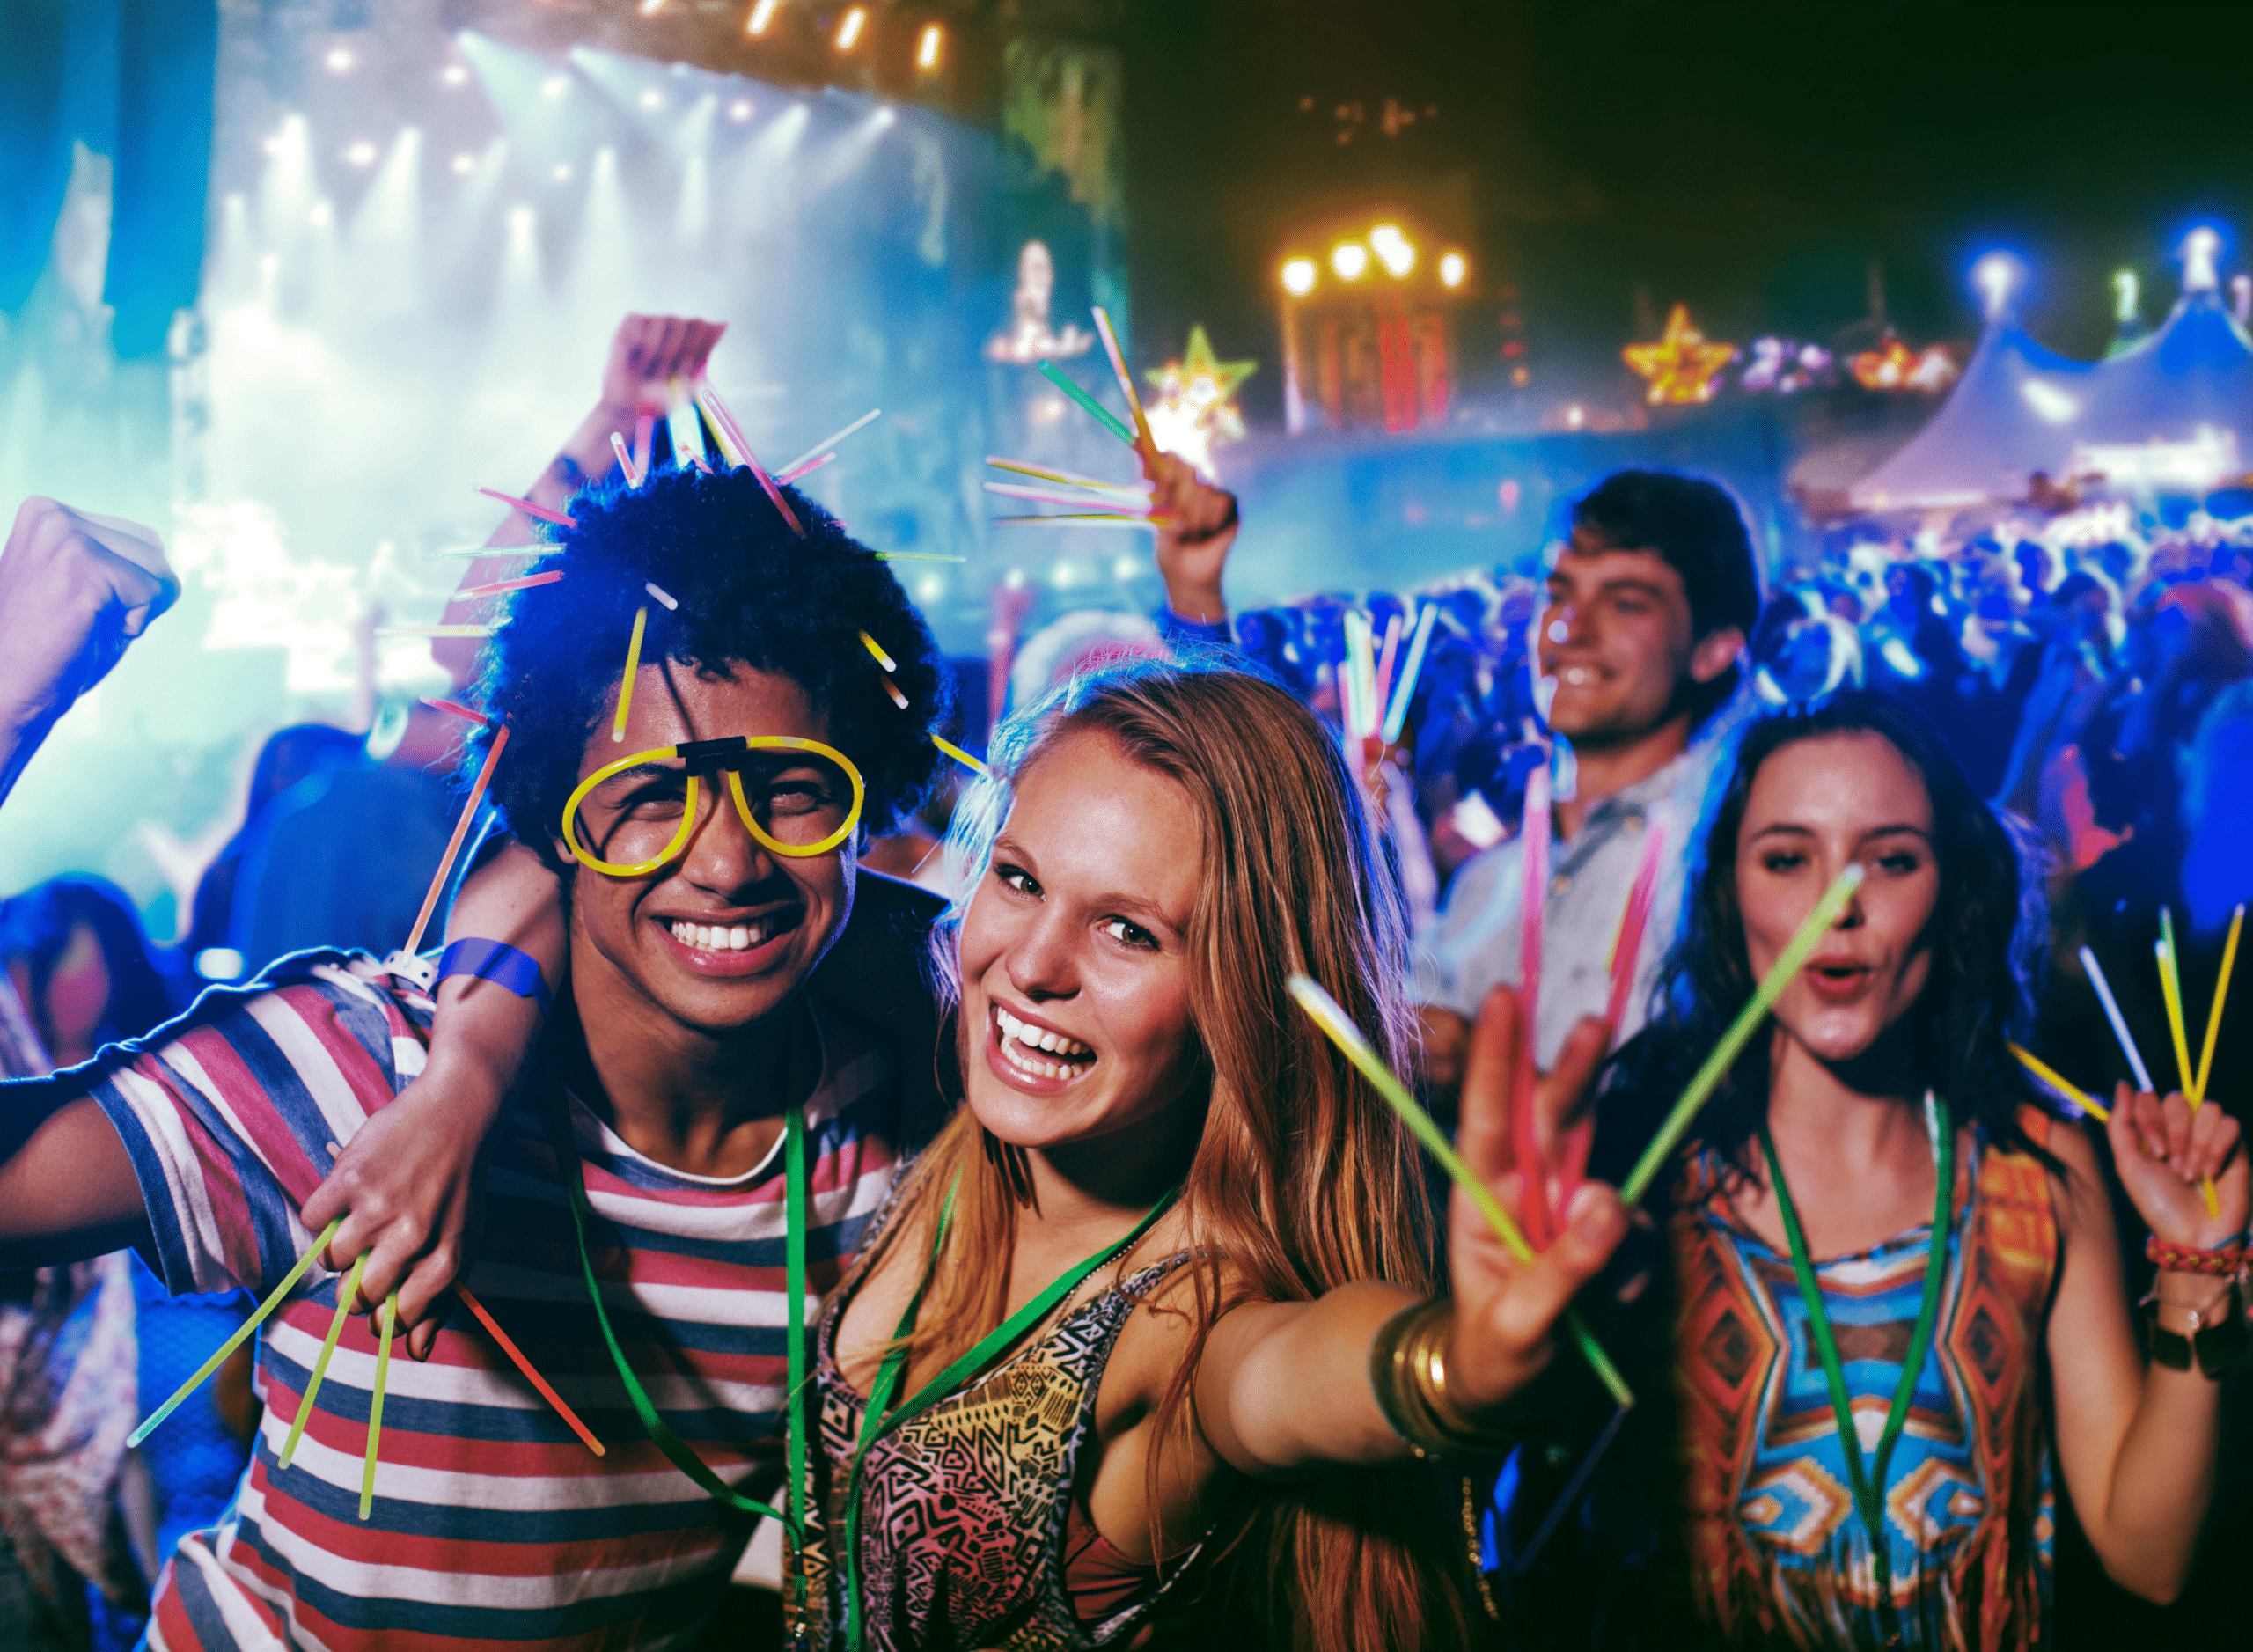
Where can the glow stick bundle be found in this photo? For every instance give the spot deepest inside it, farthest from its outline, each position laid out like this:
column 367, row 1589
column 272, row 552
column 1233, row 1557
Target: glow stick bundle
column 453, row 844
column 1050, row 496
column 1404, row 691
column 2096, row 972
column 1144, row 441
column 1339, row 1027
column 1788, row 963
column 2171, row 987
column 1140, row 492
column 531, row 509
column 1533, row 890
column 1090, row 519
column 1095, row 410
column 800, row 464
column 2064, row 1087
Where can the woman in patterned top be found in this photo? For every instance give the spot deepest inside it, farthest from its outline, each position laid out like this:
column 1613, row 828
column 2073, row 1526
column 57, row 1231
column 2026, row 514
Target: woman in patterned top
column 1818, row 1274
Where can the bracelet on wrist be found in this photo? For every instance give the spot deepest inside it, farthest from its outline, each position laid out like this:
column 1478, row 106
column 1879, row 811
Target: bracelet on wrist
column 1408, row 1375
column 2224, row 1261
column 2216, row 1337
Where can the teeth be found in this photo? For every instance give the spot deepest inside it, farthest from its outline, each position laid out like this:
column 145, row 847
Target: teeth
column 708, row 937
column 1032, row 1037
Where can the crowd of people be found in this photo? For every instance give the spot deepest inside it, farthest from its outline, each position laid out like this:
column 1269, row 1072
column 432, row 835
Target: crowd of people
column 999, row 1254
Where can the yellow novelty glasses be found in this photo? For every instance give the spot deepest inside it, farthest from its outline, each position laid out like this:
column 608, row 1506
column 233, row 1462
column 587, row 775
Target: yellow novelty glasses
column 796, row 797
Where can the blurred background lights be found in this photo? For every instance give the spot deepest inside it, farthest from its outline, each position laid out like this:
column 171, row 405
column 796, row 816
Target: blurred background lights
column 851, row 27
column 561, row 172
column 554, row 86
column 339, row 61
column 464, row 164
column 928, row 45
column 1453, row 268
column 1393, row 250
column 455, row 74
column 1298, row 277
column 762, row 14
column 1350, row 260
column 740, row 110
column 361, row 152
column 653, row 98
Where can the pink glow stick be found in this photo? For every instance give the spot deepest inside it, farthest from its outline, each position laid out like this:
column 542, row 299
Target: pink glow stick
column 454, row 845
column 1626, row 950
column 645, row 430
column 806, row 467
column 625, row 461
column 529, row 509
column 502, row 585
column 709, row 399
column 1533, row 853
column 1050, row 496
column 438, row 704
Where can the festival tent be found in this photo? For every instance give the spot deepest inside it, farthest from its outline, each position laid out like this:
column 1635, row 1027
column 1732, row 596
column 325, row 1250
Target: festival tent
column 2196, row 371
column 2014, row 412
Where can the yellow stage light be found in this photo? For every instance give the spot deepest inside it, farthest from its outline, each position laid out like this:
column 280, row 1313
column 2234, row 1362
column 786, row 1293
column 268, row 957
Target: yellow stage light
column 1298, row 277
column 849, row 30
column 761, row 15
column 1350, row 260
column 1453, row 268
column 929, row 45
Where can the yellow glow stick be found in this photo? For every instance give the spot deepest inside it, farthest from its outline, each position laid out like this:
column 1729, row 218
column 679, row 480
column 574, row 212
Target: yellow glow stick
column 2063, row 1085
column 376, row 1405
column 916, row 556
column 626, row 682
column 876, row 651
column 273, row 1301
column 1070, row 477
column 1143, row 439
column 2171, row 987
column 344, row 1296
column 2213, row 1015
column 461, row 830
column 959, row 754
column 1338, row 1028
column 1092, row 518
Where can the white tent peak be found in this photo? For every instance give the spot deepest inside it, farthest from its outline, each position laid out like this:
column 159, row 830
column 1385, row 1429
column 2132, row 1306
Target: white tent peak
column 2199, row 250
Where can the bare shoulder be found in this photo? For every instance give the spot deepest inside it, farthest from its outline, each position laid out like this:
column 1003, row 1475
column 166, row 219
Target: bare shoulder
column 1163, row 1329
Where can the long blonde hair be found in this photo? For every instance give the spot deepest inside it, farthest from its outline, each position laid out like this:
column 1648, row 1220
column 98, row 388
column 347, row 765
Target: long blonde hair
column 1301, row 1180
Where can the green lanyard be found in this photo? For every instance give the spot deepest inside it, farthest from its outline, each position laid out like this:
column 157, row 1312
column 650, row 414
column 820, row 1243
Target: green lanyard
column 684, row 1458
column 880, row 1417
column 1868, row 1487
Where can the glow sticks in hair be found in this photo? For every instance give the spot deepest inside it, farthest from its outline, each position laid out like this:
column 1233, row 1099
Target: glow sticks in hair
column 2096, row 972
column 1533, row 894
column 1788, row 963
column 499, row 586
column 1404, row 691
column 684, row 428
column 1338, row 1028
column 632, row 472
column 660, row 593
column 1095, row 410
column 242, row 1333
column 822, row 447
column 531, row 509
column 1144, row 442
column 876, row 653
column 453, row 844
column 2213, row 1015
column 344, row 1296
column 893, row 688
column 807, row 468
column 959, row 755
column 626, row 682
column 376, row 1404
column 716, row 410
column 2064, row 1087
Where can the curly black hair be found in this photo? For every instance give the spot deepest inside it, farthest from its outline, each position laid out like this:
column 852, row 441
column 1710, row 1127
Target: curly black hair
column 1986, row 937
column 750, row 592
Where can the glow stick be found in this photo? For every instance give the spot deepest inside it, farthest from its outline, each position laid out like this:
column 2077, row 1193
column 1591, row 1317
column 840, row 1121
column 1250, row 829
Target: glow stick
column 1133, row 490
column 1788, row 963
column 438, row 704
column 875, row 651
column 493, row 552
column 437, row 630
column 524, row 1365
column 328, row 1347
column 684, row 428
column 1340, row 1031
column 709, row 399
column 2213, row 1015
column 828, row 441
column 662, row 595
column 273, row 1301
column 916, row 556
column 1102, row 414
column 959, row 754
column 1404, row 691
column 1144, row 440
column 1627, row 945
column 1092, row 518
column 2064, row 1086
column 530, row 509
column 502, row 585
column 2170, row 990
column 1049, row 496
column 893, row 688
column 807, row 468
column 1533, row 895
column 644, row 429
column 1363, row 665
column 625, row 461
column 626, row 682
column 2096, row 972
column 1382, row 698
column 454, row 843
column 376, row 1405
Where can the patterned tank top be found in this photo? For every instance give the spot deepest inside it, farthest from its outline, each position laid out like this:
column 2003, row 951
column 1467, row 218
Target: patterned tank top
column 1778, row 1553
column 967, row 1530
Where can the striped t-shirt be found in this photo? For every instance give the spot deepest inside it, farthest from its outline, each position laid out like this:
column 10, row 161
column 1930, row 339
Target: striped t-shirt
column 492, row 1523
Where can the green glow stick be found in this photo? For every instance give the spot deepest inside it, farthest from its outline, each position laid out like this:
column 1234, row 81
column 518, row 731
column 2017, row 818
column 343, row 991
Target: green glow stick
column 376, row 1405
column 1787, row 965
column 273, row 1301
column 1341, row 1032
column 320, row 1366
column 1102, row 414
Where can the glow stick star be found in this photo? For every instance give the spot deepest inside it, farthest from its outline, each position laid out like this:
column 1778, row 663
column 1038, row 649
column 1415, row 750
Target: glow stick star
column 500, row 586
column 806, row 469
column 1780, row 975
column 531, row 509
column 959, row 755
column 2064, row 1086
column 1404, row 691
column 437, row 630
column 438, row 704
column 1102, row 414
column 1143, row 440
column 453, row 844
column 273, row 1301
column 626, row 682
column 709, row 399
column 376, row 1405
column 344, row 1296
column 1339, row 1027
column 1070, row 478
column 1050, row 496
column 625, row 464
column 523, row 1364
column 2213, row 1015
column 831, row 440
column 2096, row 972
column 876, row 652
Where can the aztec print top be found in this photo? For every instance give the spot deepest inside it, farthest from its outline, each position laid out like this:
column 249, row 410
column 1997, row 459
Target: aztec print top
column 492, row 1524
column 970, row 1531
column 1778, row 1553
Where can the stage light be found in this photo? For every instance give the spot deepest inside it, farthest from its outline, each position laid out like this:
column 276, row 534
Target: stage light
column 740, row 110
column 339, row 61
column 761, row 15
column 929, row 45
column 455, row 74
column 554, row 86
column 322, row 215
column 1453, row 268
column 650, row 7
column 2124, row 284
column 464, row 164
column 1393, row 250
column 653, row 98
column 1298, row 277
column 2200, row 248
column 560, row 172
column 2050, row 404
column 849, row 29
column 1350, row 260
column 1994, row 276
column 361, row 153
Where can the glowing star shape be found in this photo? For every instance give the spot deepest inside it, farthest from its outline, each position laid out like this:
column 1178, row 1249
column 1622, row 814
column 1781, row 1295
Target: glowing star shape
column 1681, row 366
column 1195, row 406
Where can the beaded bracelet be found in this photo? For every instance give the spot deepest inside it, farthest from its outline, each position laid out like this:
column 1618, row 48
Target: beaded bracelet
column 2223, row 1262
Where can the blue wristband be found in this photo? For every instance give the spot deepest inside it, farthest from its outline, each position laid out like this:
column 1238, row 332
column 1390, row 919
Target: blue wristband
column 501, row 964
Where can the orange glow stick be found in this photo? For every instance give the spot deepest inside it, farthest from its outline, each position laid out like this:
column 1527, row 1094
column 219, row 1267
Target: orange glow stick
column 959, row 754
column 453, row 844
column 893, row 688
column 626, row 682
column 523, row 1364
column 530, row 509
column 1144, row 441
column 500, row 585
column 438, row 704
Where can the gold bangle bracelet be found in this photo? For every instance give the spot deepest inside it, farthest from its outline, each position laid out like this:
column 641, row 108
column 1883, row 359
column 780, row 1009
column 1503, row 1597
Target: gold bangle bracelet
column 1408, row 1375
